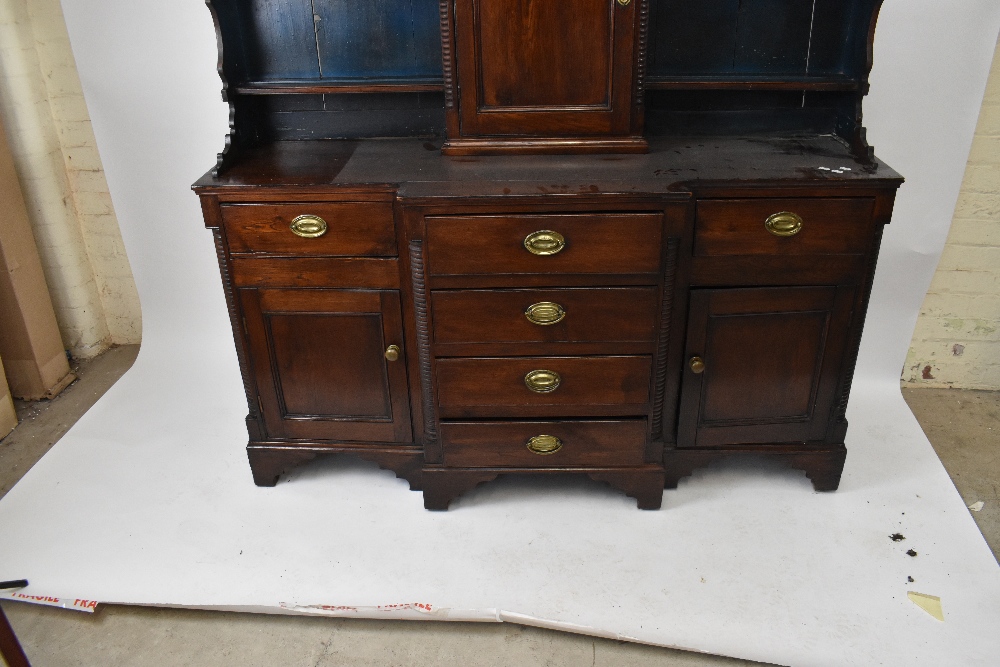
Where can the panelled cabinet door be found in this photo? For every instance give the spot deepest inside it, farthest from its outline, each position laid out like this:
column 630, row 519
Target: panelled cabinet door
column 324, row 366
column 762, row 364
column 545, row 68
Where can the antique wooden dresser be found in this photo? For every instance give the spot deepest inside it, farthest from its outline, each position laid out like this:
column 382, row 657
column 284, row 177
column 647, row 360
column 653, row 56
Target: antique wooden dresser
column 618, row 238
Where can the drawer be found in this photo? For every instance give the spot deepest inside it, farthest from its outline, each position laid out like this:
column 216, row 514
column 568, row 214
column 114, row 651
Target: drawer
column 605, row 243
column 587, row 315
column 351, row 228
column 563, row 386
column 522, row 443
column 828, row 227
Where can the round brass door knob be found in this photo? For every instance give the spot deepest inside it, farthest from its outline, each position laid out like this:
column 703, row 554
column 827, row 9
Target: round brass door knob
column 697, row 365
column 542, row 382
column 309, row 226
column 392, row 352
column 544, row 444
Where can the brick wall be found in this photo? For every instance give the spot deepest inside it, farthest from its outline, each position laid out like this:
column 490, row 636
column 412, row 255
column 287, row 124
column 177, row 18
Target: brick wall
column 43, row 109
column 957, row 338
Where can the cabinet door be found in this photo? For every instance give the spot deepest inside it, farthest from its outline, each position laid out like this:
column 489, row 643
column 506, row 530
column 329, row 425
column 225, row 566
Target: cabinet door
column 762, row 364
column 321, row 367
column 553, row 68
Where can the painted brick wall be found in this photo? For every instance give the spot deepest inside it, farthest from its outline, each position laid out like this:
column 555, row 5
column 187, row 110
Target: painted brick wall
column 43, row 109
column 957, row 339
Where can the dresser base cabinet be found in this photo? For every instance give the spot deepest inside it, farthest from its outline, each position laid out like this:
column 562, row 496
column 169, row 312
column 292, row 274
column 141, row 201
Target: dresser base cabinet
column 468, row 320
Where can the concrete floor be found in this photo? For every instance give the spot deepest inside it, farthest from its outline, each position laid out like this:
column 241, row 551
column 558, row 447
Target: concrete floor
column 962, row 425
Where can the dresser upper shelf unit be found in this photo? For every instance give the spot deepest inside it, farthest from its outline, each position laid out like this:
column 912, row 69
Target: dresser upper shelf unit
column 301, row 70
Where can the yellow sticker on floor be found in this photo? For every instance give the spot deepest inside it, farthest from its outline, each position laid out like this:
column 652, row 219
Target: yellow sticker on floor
column 929, row 603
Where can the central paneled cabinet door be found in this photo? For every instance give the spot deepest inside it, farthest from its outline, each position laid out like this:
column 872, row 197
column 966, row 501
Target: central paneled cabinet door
column 545, row 67
column 762, row 364
column 329, row 364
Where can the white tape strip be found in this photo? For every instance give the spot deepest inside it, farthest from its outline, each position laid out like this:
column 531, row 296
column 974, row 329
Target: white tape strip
column 48, row 600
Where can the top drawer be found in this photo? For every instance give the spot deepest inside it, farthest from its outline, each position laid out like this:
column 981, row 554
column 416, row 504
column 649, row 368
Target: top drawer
column 626, row 243
column 818, row 227
column 340, row 228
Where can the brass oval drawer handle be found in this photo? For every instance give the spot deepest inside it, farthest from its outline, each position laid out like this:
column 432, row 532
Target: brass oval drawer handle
column 624, row 3
column 309, row 226
column 545, row 313
column 544, row 444
column 542, row 382
column 392, row 353
column 697, row 365
column 544, row 242
column 785, row 223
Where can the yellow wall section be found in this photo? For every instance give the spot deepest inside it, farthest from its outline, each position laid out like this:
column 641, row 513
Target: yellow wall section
column 62, row 180
column 957, row 338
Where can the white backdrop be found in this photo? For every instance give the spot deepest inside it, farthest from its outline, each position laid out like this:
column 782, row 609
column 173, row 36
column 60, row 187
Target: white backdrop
column 153, row 490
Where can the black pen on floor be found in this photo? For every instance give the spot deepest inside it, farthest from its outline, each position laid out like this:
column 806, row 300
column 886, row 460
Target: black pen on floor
column 15, row 583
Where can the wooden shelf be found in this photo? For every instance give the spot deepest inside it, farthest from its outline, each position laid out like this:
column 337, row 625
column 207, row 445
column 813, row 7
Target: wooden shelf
column 823, row 83
column 338, row 86
column 430, row 85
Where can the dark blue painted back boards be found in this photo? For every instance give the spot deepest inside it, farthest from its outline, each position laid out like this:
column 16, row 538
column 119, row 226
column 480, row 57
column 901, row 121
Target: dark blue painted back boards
column 340, row 40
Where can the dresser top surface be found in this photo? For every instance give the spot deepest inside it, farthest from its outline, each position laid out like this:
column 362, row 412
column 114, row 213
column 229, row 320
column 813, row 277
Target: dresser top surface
column 416, row 168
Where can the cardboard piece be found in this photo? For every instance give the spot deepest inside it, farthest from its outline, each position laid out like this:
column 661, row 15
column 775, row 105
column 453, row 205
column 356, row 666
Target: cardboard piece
column 929, row 603
column 30, row 344
column 8, row 417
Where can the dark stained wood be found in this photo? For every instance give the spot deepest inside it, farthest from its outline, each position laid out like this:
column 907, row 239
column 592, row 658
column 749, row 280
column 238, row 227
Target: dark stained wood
column 268, row 461
column 776, row 270
column 423, row 338
column 642, row 484
column 828, row 83
column 354, row 229
column 306, row 87
column 315, row 272
column 498, row 316
column 771, row 358
column 536, row 71
column 823, row 466
column 495, row 387
column 255, row 425
column 667, row 316
column 598, row 243
column 10, row 648
column 572, row 145
column 504, row 444
column 320, row 367
column 838, row 421
column 442, row 485
column 736, row 227
column 666, row 255
column 712, row 166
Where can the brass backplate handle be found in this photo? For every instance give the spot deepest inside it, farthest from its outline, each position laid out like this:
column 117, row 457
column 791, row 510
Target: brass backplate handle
column 545, row 313
column 785, row 223
column 544, row 444
column 624, row 3
column 542, row 382
column 309, row 226
column 392, row 353
column 544, row 242
column 697, row 365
